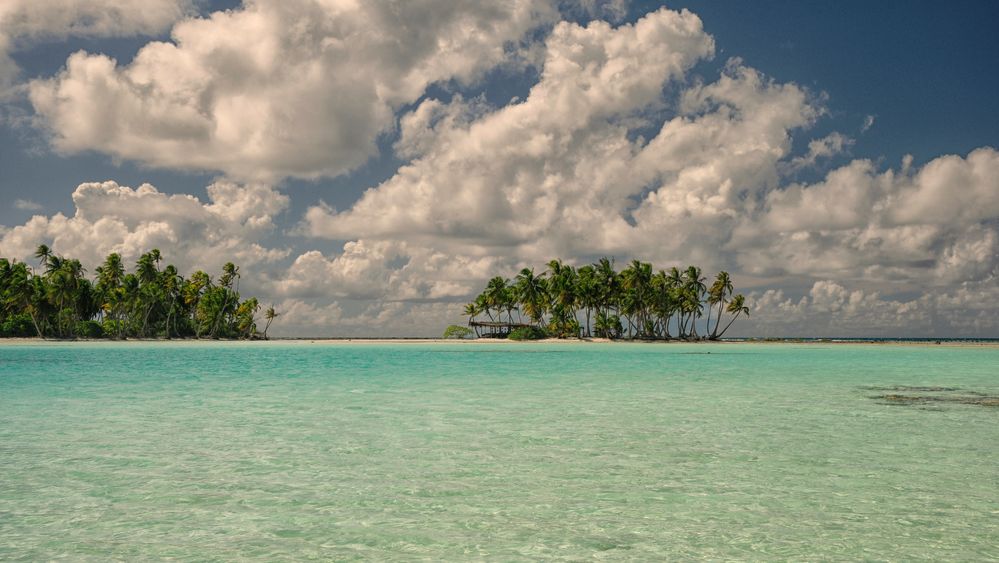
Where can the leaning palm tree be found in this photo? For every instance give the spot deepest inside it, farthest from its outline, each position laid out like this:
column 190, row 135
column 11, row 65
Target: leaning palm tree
column 718, row 295
column 736, row 307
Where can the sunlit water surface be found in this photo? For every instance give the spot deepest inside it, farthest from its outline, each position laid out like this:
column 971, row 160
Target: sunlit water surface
column 280, row 451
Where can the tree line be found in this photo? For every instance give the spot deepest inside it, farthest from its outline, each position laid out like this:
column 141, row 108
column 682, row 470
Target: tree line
column 637, row 302
column 58, row 300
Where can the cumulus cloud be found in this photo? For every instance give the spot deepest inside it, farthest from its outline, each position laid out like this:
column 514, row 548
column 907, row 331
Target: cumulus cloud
column 558, row 157
column 386, row 271
column 191, row 233
column 278, row 88
column 829, row 308
column 934, row 226
column 27, row 22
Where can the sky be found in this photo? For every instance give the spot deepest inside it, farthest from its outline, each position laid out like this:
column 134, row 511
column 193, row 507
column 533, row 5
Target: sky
column 369, row 165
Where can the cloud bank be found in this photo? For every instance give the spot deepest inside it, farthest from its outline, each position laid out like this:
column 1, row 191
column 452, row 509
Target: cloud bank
column 621, row 148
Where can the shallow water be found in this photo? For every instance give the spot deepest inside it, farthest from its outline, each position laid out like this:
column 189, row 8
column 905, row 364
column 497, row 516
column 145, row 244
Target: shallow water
column 280, row 451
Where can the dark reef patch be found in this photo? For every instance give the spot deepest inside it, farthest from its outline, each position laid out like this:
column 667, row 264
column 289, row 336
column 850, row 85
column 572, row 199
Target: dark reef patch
column 972, row 398
column 910, row 388
column 928, row 396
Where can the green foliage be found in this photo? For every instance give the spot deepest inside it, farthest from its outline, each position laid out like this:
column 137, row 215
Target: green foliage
column 17, row 325
column 595, row 299
column 89, row 329
column 527, row 333
column 57, row 299
column 456, row 332
column 608, row 325
column 111, row 327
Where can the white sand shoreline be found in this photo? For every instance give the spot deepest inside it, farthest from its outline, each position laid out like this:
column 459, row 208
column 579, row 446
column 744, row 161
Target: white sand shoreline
column 332, row 341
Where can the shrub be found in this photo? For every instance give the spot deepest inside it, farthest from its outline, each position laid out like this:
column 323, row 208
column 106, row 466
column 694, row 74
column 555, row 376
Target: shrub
column 111, row 327
column 89, row 329
column 455, row 332
column 527, row 333
column 18, row 325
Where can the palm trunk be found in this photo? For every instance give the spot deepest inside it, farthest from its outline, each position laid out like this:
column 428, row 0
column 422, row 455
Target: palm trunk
column 218, row 319
column 34, row 321
column 714, row 333
column 735, row 316
column 145, row 320
column 707, row 323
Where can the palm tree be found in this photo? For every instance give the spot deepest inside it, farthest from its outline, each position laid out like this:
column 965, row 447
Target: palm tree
column 497, row 297
column 270, row 314
column 23, row 293
column 472, row 310
column 246, row 326
column 150, row 292
column 109, row 276
column 637, row 283
column 230, row 273
column 610, row 284
column 718, row 295
column 588, row 291
column 59, row 291
column 664, row 302
column 736, row 307
column 42, row 253
column 607, row 325
column 532, row 294
column 694, row 290
column 562, row 294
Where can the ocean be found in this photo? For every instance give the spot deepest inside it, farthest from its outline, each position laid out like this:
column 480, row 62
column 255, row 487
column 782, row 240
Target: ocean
column 498, row 451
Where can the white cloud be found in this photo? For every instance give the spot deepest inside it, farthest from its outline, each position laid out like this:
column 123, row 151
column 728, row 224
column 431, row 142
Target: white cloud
column 26, row 205
column 820, row 149
column 831, row 309
column 557, row 158
column 28, row 22
column 384, row 270
column 190, row 233
column 935, row 226
column 280, row 87
column 868, row 123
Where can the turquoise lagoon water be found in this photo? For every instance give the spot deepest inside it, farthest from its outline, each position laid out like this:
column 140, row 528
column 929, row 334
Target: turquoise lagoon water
column 281, row 451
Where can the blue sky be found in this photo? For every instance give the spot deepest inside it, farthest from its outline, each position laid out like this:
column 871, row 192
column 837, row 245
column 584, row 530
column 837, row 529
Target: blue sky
column 881, row 81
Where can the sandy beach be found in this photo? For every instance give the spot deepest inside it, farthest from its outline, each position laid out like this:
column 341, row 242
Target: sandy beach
column 331, row 341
